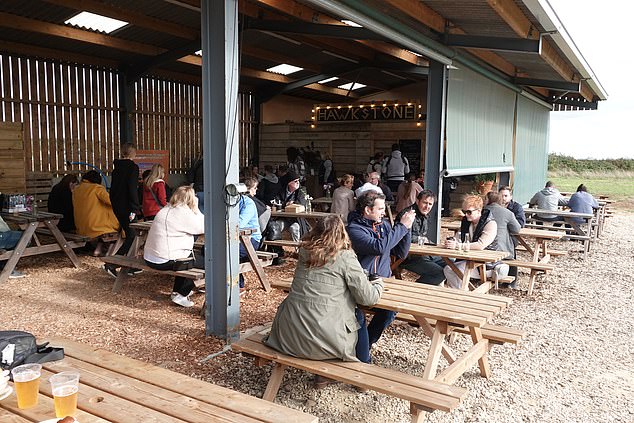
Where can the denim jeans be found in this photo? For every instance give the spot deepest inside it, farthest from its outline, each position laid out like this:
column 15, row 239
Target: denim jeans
column 244, row 257
column 8, row 241
column 368, row 335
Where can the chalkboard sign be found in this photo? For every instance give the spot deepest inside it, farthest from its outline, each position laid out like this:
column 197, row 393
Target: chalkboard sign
column 412, row 150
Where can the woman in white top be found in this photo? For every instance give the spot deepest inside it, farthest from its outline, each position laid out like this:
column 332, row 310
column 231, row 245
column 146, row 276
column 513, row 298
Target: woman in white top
column 343, row 198
column 171, row 238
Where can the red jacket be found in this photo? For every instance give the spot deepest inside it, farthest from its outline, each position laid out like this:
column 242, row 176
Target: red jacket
column 150, row 207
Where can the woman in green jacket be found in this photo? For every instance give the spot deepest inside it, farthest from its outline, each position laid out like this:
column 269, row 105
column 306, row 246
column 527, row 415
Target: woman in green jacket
column 317, row 320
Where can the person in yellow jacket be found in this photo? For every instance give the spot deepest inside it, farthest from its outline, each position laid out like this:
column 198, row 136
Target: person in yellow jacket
column 93, row 210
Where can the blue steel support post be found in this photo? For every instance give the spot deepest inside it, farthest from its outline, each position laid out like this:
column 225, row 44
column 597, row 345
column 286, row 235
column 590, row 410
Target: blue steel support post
column 435, row 135
column 219, row 22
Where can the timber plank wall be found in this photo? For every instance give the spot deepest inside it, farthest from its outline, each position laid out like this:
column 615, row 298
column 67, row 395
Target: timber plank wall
column 350, row 145
column 12, row 163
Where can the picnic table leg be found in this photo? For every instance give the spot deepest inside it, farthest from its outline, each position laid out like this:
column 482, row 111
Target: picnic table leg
column 277, row 374
column 62, row 242
column 483, row 363
column 531, row 281
column 466, row 275
column 18, row 251
column 418, row 412
column 435, row 349
column 122, row 276
column 447, row 352
column 255, row 262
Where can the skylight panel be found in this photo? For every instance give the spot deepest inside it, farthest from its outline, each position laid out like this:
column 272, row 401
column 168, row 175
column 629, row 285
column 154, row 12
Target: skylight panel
column 95, row 22
column 351, row 23
column 351, row 86
column 325, row 81
column 284, row 69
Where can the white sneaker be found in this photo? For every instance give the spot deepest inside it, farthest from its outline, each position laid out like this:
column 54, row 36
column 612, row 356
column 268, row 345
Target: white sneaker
column 182, row 301
column 173, row 295
column 15, row 274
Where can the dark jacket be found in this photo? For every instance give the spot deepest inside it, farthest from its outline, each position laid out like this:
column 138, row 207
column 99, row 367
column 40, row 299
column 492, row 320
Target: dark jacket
column 123, row 189
column 518, row 211
column 259, row 205
column 484, row 219
column 60, row 200
column 420, row 225
column 195, row 175
column 374, row 242
column 386, row 191
column 268, row 189
column 297, row 197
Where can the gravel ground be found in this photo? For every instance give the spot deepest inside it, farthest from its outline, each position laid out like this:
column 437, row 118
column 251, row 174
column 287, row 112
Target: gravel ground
column 576, row 364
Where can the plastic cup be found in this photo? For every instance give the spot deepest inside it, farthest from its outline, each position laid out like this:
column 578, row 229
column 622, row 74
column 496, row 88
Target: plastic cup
column 26, row 379
column 65, row 386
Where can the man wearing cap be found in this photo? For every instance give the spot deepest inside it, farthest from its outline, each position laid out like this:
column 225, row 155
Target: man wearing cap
column 291, row 194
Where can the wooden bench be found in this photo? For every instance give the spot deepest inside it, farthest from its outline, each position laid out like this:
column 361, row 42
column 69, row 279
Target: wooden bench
column 555, row 253
column 423, row 395
column 77, row 239
column 127, row 262
column 281, row 243
column 535, row 268
column 114, row 388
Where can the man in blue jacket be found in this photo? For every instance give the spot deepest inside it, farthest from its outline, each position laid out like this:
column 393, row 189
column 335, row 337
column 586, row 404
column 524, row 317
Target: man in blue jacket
column 374, row 239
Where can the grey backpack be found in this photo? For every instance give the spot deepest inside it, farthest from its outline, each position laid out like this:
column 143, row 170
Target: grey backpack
column 18, row 347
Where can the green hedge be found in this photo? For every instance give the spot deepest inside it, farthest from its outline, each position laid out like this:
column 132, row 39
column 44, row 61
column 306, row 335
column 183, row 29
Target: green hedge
column 558, row 162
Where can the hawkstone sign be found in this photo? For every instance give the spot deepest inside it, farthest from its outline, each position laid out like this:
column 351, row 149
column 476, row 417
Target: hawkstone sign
column 350, row 113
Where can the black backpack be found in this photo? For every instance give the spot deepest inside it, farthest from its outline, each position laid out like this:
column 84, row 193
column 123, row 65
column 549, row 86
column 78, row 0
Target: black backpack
column 18, row 347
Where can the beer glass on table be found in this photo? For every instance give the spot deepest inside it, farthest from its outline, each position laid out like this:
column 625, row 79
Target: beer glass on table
column 26, row 379
column 65, row 386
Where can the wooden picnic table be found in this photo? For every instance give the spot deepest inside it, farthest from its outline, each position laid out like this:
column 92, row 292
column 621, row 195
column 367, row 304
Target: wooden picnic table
column 473, row 259
column 306, row 215
column 439, row 311
column 578, row 232
column 143, row 228
column 117, row 389
column 539, row 250
column 29, row 222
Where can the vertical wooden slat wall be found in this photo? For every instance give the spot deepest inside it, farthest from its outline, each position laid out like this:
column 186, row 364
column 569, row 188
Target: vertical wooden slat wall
column 70, row 113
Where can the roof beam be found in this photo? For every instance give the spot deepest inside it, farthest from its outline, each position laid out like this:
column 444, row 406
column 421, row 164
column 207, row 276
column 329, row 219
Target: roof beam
column 516, row 45
column 551, row 85
column 430, row 18
column 19, row 23
column 273, row 77
column 518, row 22
column 28, row 50
column 324, row 30
column 143, row 67
column 134, row 18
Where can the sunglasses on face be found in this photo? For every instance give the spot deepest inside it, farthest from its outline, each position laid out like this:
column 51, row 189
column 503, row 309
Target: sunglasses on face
column 469, row 212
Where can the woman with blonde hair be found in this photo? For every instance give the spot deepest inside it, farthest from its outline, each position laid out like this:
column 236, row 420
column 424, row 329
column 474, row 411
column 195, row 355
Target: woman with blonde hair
column 171, row 238
column 319, row 319
column 154, row 193
column 343, row 197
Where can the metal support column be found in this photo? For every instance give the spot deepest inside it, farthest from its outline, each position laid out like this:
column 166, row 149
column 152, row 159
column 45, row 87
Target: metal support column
column 219, row 22
column 435, row 135
column 126, row 109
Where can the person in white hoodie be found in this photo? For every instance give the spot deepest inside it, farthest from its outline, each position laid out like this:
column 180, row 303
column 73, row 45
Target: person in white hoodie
column 548, row 198
column 394, row 168
column 171, row 237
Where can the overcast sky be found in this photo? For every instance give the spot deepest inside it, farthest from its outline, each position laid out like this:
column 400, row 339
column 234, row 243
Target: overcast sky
column 602, row 31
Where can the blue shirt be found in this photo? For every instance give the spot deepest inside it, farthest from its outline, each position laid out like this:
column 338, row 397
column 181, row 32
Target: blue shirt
column 249, row 217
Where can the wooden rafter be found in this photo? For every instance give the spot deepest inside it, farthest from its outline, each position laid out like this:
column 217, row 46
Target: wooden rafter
column 282, row 79
column 521, row 25
column 20, row 23
column 29, row 50
column 428, row 17
column 134, row 18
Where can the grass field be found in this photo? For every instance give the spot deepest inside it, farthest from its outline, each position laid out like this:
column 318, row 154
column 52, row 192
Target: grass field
column 619, row 186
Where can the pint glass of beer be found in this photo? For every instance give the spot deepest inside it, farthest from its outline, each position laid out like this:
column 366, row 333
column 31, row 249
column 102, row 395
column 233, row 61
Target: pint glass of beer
column 65, row 386
column 26, row 379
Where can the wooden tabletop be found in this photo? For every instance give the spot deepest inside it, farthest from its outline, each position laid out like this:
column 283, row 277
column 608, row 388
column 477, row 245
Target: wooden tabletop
column 481, row 256
column 541, row 233
column 22, row 217
column 564, row 213
column 141, row 226
column 118, row 389
column 305, row 215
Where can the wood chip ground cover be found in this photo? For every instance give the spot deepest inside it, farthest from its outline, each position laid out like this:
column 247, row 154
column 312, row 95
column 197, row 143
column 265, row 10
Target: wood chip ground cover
column 576, row 364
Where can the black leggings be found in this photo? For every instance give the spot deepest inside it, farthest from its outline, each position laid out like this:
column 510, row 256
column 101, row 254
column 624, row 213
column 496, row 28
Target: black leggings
column 181, row 285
